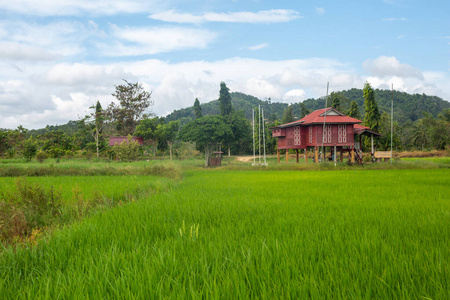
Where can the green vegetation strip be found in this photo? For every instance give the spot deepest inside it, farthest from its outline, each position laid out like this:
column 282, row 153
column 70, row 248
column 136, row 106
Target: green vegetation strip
column 226, row 234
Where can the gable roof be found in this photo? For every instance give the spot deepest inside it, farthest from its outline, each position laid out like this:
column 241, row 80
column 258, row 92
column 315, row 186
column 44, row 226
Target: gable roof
column 333, row 116
column 361, row 129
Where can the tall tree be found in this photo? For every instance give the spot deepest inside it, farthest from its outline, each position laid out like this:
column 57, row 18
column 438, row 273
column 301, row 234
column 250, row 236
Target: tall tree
column 335, row 101
column 225, row 100
column 371, row 113
column 133, row 101
column 288, row 115
column 95, row 122
column 207, row 132
column 354, row 111
column 168, row 133
column 197, row 109
column 147, row 130
column 303, row 110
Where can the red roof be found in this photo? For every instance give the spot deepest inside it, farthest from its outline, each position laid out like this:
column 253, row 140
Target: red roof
column 317, row 117
column 119, row 139
column 359, row 129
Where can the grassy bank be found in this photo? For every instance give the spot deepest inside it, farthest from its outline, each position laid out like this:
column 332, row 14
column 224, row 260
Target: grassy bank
column 228, row 234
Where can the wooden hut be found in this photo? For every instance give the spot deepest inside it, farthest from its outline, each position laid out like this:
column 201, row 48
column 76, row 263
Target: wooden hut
column 322, row 128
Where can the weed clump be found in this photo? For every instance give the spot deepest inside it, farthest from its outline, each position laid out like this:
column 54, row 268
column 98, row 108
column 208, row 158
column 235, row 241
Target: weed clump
column 29, row 208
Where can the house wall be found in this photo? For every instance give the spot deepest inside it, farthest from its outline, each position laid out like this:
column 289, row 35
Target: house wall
column 300, row 137
column 334, row 134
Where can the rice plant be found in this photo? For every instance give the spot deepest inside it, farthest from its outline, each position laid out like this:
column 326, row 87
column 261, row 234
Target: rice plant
column 254, row 234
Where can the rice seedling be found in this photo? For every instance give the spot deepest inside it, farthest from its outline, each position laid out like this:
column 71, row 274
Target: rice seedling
column 253, row 234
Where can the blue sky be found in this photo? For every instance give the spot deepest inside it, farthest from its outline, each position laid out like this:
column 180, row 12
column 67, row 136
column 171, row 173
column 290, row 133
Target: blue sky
column 58, row 57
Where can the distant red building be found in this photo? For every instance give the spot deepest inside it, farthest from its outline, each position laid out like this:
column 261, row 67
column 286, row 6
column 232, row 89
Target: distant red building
column 119, row 139
column 322, row 128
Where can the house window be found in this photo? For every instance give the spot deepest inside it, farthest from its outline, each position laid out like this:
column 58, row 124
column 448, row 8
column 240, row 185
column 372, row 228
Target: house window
column 327, row 134
column 297, row 136
column 310, row 135
column 342, row 133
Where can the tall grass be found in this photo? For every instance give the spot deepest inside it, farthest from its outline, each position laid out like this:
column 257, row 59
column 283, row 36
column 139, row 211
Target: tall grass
column 32, row 206
column 224, row 234
column 87, row 168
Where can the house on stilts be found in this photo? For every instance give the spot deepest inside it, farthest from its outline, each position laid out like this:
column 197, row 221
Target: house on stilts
column 323, row 128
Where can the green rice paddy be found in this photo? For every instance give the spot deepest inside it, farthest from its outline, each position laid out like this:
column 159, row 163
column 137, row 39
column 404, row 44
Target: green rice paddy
column 250, row 234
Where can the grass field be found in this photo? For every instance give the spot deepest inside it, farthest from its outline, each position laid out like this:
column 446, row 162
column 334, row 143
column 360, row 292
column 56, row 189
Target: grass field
column 253, row 234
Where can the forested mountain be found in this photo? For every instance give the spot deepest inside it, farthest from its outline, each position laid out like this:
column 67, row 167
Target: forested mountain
column 407, row 107
column 240, row 101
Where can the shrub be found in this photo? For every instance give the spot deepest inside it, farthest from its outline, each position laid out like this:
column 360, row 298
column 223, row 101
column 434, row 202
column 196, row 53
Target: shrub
column 41, row 156
column 29, row 149
column 30, row 207
column 128, row 150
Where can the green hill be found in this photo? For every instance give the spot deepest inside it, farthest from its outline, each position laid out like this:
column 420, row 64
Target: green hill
column 407, row 107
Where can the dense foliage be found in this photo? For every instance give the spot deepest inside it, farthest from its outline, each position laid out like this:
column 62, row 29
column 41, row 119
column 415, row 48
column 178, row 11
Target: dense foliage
column 420, row 122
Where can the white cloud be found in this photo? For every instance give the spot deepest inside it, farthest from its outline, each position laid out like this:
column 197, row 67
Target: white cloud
column 55, row 94
column 151, row 40
column 390, row 66
column 79, row 7
column 32, row 41
column 266, row 16
column 394, row 19
column 293, row 96
column 258, row 47
column 16, row 51
column 320, row 10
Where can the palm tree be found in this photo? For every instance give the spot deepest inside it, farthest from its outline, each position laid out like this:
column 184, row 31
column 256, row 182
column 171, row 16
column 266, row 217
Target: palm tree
column 420, row 134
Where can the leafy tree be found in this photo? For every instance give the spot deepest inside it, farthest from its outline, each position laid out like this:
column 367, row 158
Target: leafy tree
column 224, row 100
column 372, row 115
column 241, row 138
column 207, row 132
column 197, row 109
column 335, row 101
column 168, row 133
column 56, row 143
column 95, row 122
column 29, row 149
column 3, row 141
column 354, row 111
column 384, row 142
column 133, row 101
column 147, row 130
column 303, row 110
column 420, row 134
column 288, row 115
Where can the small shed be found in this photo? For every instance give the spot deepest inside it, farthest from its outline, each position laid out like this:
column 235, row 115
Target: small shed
column 119, row 139
column 216, row 159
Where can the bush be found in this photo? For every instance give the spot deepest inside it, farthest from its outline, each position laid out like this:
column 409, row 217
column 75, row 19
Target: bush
column 29, row 149
column 41, row 156
column 30, row 208
column 128, row 150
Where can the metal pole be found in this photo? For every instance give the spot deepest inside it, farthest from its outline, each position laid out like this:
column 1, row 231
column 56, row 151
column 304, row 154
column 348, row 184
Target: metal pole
column 264, row 136
column 324, row 119
column 259, row 133
column 392, row 118
column 253, row 123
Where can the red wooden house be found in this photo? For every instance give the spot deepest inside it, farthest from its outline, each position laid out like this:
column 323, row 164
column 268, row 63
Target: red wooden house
column 322, row 128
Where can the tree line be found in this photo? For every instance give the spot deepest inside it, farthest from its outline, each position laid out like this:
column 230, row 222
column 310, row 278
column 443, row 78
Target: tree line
column 220, row 125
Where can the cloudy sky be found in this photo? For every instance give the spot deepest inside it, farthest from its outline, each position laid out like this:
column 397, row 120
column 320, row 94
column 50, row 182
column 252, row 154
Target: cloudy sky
column 57, row 57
